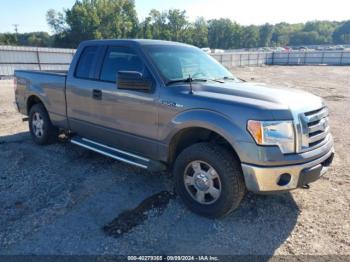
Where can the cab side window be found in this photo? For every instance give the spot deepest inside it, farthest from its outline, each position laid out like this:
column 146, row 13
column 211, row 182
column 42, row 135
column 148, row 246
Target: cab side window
column 88, row 61
column 120, row 59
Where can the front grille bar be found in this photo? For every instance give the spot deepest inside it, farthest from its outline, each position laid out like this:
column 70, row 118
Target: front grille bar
column 315, row 129
column 319, row 126
column 316, row 117
column 319, row 136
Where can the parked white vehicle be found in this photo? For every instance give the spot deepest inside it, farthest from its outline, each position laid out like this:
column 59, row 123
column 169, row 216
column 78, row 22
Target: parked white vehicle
column 206, row 49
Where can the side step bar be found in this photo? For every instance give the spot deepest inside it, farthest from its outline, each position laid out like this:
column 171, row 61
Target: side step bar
column 118, row 154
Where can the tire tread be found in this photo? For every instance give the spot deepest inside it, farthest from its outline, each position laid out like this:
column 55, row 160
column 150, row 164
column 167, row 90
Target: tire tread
column 51, row 135
column 233, row 174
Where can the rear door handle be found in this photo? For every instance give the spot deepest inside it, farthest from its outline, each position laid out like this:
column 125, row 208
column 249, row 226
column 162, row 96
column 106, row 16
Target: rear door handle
column 97, row 94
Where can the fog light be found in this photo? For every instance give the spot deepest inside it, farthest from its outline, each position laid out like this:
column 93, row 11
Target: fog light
column 284, row 179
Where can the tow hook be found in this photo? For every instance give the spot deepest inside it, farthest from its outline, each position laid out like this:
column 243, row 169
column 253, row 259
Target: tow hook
column 307, row 186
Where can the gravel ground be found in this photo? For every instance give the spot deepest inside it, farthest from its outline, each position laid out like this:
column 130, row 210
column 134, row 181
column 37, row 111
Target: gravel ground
column 62, row 199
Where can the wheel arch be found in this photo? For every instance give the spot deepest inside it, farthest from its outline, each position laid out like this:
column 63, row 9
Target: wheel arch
column 201, row 125
column 33, row 100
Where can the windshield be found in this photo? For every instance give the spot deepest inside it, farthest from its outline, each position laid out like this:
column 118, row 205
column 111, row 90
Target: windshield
column 180, row 62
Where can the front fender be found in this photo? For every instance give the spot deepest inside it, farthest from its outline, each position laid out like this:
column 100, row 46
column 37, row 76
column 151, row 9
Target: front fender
column 211, row 120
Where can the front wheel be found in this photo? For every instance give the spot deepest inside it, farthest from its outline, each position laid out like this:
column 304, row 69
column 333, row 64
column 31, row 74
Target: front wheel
column 209, row 179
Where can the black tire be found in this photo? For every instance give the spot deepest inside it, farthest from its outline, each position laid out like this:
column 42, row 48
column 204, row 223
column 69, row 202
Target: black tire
column 49, row 133
column 227, row 167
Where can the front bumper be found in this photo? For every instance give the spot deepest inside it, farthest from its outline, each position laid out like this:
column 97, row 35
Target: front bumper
column 269, row 179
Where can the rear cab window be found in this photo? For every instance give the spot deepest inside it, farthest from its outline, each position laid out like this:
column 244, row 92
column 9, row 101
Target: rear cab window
column 87, row 67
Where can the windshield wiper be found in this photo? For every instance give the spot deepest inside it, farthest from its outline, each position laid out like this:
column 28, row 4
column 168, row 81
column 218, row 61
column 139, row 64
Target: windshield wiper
column 217, row 80
column 189, row 80
column 226, row 78
column 186, row 80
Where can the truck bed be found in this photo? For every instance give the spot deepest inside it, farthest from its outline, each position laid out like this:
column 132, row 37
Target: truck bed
column 49, row 86
column 44, row 72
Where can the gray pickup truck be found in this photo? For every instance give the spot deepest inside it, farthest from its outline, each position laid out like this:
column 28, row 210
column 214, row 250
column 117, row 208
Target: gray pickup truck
column 168, row 106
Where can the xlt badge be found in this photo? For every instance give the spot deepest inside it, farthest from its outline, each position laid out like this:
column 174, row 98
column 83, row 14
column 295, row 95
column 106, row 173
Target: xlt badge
column 171, row 104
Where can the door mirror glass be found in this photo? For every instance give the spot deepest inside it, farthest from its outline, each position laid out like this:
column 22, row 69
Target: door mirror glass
column 133, row 80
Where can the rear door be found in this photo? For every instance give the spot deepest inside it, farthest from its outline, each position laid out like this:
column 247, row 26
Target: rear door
column 98, row 110
column 80, row 90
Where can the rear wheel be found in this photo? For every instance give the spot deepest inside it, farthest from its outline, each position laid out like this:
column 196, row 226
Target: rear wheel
column 40, row 126
column 209, row 179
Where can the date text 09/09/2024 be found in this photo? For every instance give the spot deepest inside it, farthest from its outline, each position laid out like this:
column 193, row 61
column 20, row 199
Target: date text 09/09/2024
column 173, row 258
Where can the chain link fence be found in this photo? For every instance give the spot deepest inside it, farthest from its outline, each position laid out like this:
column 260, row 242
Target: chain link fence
column 231, row 60
column 33, row 58
column 36, row 58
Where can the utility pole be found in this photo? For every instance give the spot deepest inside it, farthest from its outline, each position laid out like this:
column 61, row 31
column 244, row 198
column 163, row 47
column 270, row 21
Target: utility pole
column 16, row 32
column 16, row 28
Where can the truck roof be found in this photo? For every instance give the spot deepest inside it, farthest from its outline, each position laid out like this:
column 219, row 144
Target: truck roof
column 132, row 42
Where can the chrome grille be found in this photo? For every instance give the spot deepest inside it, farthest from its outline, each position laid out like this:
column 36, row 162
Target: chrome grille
column 316, row 128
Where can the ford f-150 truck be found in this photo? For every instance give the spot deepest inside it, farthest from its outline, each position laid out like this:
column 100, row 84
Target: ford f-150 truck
column 169, row 106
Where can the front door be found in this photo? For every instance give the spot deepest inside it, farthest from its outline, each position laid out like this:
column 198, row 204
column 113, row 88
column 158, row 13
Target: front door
column 127, row 119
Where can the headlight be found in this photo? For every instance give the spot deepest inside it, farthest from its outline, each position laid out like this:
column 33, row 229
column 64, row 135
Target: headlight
column 279, row 133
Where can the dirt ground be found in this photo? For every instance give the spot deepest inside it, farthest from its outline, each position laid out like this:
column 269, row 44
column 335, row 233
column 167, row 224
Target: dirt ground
column 61, row 199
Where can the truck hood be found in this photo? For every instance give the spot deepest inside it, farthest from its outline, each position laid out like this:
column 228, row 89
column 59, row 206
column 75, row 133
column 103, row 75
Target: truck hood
column 262, row 95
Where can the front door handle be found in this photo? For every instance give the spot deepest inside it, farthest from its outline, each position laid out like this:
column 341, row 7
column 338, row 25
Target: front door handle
column 97, row 94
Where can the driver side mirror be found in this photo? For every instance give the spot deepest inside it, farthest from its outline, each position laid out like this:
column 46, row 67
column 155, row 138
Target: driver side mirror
column 132, row 80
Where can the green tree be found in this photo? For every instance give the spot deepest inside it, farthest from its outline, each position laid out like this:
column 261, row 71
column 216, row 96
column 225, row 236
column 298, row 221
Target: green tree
column 342, row 34
column 160, row 28
column 224, row 34
column 26, row 39
column 169, row 25
column 265, row 35
column 35, row 39
column 250, row 37
column 304, row 38
column 324, row 29
column 145, row 29
column 57, row 21
column 8, row 39
column 283, row 31
column 95, row 19
column 199, row 33
column 177, row 23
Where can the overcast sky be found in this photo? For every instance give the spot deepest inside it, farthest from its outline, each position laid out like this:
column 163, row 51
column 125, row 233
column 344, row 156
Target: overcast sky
column 30, row 14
